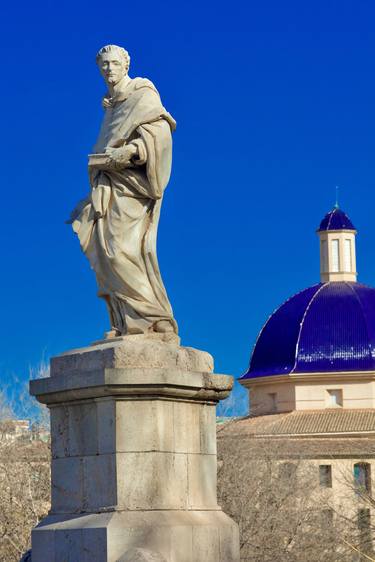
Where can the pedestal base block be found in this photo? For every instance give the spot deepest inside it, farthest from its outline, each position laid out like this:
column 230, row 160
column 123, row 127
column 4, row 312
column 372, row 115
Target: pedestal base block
column 133, row 439
column 157, row 536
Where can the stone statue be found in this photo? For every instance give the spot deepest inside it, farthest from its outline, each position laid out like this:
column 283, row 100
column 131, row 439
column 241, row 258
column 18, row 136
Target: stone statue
column 117, row 223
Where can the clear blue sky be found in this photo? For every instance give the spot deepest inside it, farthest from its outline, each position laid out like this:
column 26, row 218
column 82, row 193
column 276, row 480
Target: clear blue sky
column 275, row 105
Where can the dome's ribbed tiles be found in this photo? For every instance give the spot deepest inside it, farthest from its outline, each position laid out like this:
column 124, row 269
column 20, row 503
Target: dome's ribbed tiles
column 336, row 220
column 326, row 328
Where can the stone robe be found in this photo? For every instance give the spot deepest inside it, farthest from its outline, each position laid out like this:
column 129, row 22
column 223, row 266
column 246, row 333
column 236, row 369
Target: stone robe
column 121, row 245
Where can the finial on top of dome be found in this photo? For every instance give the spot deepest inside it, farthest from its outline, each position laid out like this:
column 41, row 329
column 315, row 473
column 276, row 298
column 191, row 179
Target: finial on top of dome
column 337, row 197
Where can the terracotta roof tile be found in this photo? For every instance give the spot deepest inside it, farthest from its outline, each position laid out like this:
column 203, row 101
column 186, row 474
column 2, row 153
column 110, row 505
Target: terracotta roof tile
column 309, row 434
column 308, row 423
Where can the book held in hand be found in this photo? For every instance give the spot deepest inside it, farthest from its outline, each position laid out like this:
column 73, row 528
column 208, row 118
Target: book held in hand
column 99, row 160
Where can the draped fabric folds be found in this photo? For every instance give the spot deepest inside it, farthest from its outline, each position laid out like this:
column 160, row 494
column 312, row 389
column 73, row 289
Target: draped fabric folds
column 121, row 244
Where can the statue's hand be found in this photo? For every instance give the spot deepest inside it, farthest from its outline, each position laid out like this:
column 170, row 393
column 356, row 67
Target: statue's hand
column 121, row 157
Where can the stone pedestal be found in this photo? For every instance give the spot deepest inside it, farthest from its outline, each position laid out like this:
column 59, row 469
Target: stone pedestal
column 134, row 456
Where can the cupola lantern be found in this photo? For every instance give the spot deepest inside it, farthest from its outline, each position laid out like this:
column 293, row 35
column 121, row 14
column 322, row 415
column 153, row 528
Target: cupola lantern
column 337, row 247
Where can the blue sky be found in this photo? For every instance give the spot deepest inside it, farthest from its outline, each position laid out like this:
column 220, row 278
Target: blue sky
column 275, row 105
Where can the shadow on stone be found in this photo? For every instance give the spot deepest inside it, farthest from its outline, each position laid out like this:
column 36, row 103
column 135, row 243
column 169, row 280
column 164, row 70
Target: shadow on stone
column 141, row 555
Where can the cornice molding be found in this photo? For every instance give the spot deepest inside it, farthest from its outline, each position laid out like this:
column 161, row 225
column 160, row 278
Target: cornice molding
column 343, row 376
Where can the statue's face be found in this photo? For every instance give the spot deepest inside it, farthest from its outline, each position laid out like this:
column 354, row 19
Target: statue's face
column 112, row 67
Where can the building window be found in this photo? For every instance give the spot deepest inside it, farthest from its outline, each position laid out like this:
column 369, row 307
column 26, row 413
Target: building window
column 273, row 401
column 365, row 531
column 324, row 256
column 325, row 475
column 347, row 255
column 335, row 255
column 362, row 477
column 327, row 519
column 335, row 399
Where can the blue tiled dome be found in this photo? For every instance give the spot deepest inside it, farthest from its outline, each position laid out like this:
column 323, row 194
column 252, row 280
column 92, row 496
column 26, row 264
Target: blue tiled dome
column 329, row 327
column 336, row 220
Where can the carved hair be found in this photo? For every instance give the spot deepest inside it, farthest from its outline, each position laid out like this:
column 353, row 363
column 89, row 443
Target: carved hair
column 124, row 55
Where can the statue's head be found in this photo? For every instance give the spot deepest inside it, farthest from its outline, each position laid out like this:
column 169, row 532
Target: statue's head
column 113, row 63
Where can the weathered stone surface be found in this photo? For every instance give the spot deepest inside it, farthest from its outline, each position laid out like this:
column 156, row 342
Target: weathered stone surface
column 149, row 426
column 117, row 222
column 202, row 481
column 67, row 484
column 108, row 430
column 100, row 482
column 186, row 414
column 161, row 383
column 141, row 555
column 60, row 431
column 177, row 536
column 109, row 425
column 83, row 438
column 134, row 463
column 132, row 352
column 207, row 430
column 152, row 480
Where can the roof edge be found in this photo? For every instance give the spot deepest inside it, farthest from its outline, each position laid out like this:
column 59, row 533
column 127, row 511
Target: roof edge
column 306, row 377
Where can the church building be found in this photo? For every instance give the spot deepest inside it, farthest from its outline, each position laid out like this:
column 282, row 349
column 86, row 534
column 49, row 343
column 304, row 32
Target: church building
column 311, row 379
column 317, row 351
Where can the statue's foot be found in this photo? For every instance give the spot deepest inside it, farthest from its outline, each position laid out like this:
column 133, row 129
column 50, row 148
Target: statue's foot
column 112, row 334
column 163, row 326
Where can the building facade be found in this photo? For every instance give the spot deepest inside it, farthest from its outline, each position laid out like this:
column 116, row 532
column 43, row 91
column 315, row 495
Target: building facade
column 311, row 383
